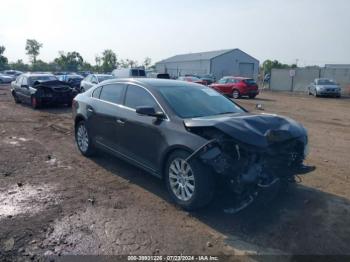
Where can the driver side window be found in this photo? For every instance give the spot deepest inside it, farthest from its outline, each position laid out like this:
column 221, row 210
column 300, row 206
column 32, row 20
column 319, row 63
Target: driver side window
column 19, row 80
column 94, row 80
column 137, row 96
column 24, row 81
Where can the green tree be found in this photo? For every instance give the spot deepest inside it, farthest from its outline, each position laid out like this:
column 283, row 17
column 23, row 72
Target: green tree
column 3, row 59
column 72, row 61
column 147, row 62
column 33, row 49
column 132, row 63
column 44, row 67
column 87, row 67
column 19, row 65
column 269, row 64
column 109, row 60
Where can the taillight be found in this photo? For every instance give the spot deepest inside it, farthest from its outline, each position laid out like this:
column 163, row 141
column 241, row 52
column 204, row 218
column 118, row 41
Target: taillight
column 75, row 104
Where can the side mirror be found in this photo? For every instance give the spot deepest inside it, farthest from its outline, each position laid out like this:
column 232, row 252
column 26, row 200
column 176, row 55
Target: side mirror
column 94, row 82
column 24, row 86
column 149, row 111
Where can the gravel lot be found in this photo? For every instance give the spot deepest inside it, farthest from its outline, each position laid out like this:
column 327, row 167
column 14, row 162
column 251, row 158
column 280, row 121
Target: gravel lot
column 55, row 201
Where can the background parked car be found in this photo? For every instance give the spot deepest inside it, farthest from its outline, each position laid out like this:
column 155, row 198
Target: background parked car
column 92, row 80
column 324, row 87
column 5, row 79
column 41, row 89
column 237, row 87
column 129, row 72
column 208, row 79
column 192, row 79
column 12, row 73
column 73, row 80
column 158, row 75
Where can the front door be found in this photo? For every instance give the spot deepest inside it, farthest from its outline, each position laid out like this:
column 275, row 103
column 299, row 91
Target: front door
column 140, row 137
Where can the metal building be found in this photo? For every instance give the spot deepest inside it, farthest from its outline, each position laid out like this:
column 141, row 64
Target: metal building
column 230, row 62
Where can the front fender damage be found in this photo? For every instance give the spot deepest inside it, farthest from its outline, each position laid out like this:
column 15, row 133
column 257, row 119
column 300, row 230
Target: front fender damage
column 250, row 171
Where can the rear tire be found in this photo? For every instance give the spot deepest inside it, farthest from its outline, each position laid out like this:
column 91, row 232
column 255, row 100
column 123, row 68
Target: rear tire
column 252, row 96
column 236, row 94
column 83, row 139
column 189, row 184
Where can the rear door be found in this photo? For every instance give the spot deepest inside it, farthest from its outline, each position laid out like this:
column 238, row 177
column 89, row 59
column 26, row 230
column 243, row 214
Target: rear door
column 105, row 115
column 141, row 138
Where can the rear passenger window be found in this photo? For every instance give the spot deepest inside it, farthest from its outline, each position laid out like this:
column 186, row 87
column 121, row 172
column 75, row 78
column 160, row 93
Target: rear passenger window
column 137, row 96
column 112, row 93
column 96, row 93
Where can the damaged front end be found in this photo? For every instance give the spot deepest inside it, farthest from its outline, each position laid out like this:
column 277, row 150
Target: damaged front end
column 267, row 156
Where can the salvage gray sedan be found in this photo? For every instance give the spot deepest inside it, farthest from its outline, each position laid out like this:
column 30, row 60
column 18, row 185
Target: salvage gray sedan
column 191, row 136
column 324, row 87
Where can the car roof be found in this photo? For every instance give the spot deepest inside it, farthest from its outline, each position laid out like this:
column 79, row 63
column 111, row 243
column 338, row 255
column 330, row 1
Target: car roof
column 153, row 83
column 238, row 77
column 37, row 74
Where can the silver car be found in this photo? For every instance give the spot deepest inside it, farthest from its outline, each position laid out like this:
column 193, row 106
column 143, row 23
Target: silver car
column 5, row 79
column 324, row 87
column 93, row 79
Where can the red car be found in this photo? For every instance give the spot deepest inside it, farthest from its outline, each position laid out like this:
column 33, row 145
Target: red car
column 193, row 79
column 237, row 87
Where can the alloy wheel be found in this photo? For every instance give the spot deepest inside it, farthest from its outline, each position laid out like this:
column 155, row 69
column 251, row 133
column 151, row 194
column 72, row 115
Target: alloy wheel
column 181, row 178
column 82, row 138
column 235, row 94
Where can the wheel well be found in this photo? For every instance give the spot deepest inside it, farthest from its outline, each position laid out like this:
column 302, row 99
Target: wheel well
column 167, row 155
column 77, row 120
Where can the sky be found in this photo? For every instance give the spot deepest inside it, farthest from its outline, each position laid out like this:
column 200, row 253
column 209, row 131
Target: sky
column 308, row 31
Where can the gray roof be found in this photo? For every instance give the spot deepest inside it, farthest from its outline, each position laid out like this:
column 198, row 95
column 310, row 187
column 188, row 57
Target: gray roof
column 196, row 56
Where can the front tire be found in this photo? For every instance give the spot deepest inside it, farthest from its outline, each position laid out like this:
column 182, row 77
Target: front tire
column 252, row 96
column 15, row 97
column 189, row 184
column 83, row 139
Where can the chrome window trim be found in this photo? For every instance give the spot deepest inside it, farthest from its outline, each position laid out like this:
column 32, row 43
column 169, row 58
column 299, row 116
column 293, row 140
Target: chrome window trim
column 123, row 106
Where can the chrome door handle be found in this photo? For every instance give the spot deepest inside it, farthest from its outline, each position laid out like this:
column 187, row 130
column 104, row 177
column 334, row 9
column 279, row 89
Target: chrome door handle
column 120, row 122
column 90, row 110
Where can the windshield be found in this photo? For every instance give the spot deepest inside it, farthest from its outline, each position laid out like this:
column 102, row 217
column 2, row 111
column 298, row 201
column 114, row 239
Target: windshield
column 190, row 102
column 325, row 82
column 103, row 78
column 32, row 79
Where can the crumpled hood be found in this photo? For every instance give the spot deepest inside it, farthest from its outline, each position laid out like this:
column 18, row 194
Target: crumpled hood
column 52, row 84
column 259, row 130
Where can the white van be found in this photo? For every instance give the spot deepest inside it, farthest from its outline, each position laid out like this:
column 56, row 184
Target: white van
column 129, row 73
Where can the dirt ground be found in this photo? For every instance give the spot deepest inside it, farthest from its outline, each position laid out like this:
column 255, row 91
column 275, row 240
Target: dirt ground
column 53, row 201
